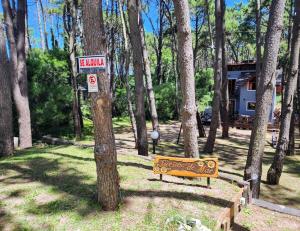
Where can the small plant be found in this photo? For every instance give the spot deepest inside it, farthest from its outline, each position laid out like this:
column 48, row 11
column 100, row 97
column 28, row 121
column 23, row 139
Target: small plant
column 180, row 223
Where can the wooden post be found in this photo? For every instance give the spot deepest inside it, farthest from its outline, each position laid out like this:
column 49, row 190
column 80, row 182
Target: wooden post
column 179, row 134
column 208, row 182
column 160, row 177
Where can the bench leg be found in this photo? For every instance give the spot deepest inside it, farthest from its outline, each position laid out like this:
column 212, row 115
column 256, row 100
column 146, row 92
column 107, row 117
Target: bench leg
column 208, row 182
column 160, row 177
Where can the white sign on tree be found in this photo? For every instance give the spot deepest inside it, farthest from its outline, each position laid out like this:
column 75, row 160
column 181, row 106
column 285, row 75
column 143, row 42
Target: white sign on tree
column 92, row 83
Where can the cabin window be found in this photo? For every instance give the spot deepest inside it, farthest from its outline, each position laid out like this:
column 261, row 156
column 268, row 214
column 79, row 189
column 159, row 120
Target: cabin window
column 251, row 106
column 252, row 84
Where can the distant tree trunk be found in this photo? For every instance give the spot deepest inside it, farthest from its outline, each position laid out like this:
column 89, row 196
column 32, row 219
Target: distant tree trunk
column 44, row 25
column 27, row 35
column 160, row 43
column 136, row 43
column 210, row 143
column 149, row 86
column 43, row 45
column 209, row 27
column 6, row 123
column 258, row 41
column 70, row 24
column 105, row 148
column 19, row 70
column 275, row 170
column 253, row 169
column 185, row 58
column 224, row 112
column 127, row 64
column 112, row 52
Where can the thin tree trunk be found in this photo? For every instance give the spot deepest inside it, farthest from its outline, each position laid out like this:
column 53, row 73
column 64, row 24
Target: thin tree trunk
column 149, row 86
column 258, row 41
column 185, row 58
column 224, row 112
column 27, row 35
column 19, row 70
column 209, row 27
column 253, row 169
column 70, row 27
column 210, row 143
column 136, row 42
column 6, row 123
column 160, row 44
column 44, row 25
column 105, row 149
column 127, row 64
column 43, row 45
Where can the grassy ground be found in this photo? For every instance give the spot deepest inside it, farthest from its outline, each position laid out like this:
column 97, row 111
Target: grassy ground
column 53, row 188
column 232, row 154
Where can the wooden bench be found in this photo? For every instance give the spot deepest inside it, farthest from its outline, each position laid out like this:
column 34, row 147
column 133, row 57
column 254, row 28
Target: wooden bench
column 186, row 167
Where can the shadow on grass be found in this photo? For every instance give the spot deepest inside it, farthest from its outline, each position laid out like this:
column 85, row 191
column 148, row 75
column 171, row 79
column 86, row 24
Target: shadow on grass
column 82, row 195
column 178, row 183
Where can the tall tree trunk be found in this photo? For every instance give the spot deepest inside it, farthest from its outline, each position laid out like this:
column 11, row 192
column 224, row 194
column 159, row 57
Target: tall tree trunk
column 136, row 42
column 275, row 170
column 160, row 43
column 44, row 25
column 253, row 169
column 105, row 148
column 224, row 112
column 127, row 64
column 70, row 27
column 287, row 114
column 258, row 41
column 209, row 27
column 27, row 35
column 43, row 45
column 19, row 70
column 6, row 123
column 185, row 57
column 149, row 86
column 210, row 143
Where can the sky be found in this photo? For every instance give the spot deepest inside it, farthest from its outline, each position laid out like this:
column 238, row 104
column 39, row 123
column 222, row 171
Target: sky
column 33, row 25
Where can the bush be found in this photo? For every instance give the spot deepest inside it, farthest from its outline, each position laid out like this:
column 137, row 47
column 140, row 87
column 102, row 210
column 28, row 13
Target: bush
column 50, row 91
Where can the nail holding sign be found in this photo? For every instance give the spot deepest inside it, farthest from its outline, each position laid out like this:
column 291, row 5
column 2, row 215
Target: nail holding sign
column 92, row 83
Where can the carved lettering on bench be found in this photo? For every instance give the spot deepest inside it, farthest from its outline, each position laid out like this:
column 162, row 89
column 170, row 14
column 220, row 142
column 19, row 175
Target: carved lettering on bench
column 186, row 166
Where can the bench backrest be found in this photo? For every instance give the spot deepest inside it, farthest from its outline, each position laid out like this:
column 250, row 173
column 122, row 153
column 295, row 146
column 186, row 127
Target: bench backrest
column 189, row 167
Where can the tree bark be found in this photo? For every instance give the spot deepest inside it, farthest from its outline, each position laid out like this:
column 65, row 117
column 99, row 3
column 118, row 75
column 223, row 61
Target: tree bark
column 253, row 169
column 149, row 86
column 105, row 148
column 185, row 58
column 43, row 45
column 6, row 123
column 210, row 143
column 224, row 112
column 44, row 25
column 291, row 148
column 127, row 64
column 19, row 70
column 275, row 170
column 70, row 24
column 136, row 43
column 258, row 41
